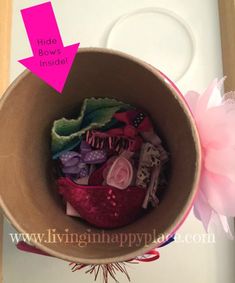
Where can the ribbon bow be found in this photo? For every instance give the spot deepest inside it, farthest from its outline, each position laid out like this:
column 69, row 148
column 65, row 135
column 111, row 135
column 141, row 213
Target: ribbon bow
column 75, row 163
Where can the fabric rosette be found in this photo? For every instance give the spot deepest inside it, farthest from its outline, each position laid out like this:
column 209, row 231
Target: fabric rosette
column 119, row 173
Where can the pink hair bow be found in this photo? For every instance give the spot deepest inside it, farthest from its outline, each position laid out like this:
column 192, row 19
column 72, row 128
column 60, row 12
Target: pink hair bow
column 215, row 119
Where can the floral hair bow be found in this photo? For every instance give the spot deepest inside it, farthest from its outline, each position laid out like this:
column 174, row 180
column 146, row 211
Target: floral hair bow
column 214, row 115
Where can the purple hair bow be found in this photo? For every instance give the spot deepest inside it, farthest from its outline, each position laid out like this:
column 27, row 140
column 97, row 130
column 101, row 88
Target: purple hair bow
column 77, row 163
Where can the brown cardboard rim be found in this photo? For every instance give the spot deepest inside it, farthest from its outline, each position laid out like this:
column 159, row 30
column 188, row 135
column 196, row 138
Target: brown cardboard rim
column 184, row 213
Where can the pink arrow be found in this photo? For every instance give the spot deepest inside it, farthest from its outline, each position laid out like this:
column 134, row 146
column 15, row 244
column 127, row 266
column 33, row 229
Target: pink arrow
column 51, row 61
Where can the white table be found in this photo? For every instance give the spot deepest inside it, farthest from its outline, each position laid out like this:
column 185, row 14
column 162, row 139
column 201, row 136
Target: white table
column 88, row 22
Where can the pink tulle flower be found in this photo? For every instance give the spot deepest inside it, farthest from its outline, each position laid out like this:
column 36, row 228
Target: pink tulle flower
column 215, row 119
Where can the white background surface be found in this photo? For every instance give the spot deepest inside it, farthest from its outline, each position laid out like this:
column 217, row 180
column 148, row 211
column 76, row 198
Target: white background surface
column 88, row 22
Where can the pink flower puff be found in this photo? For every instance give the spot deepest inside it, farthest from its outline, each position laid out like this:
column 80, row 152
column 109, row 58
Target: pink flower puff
column 215, row 120
column 119, row 173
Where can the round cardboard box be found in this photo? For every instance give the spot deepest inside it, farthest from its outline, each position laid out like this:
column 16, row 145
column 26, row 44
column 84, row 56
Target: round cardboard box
column 27, row 186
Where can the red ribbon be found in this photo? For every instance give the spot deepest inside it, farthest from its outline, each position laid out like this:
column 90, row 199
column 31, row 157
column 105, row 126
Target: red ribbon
column 149, row 256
